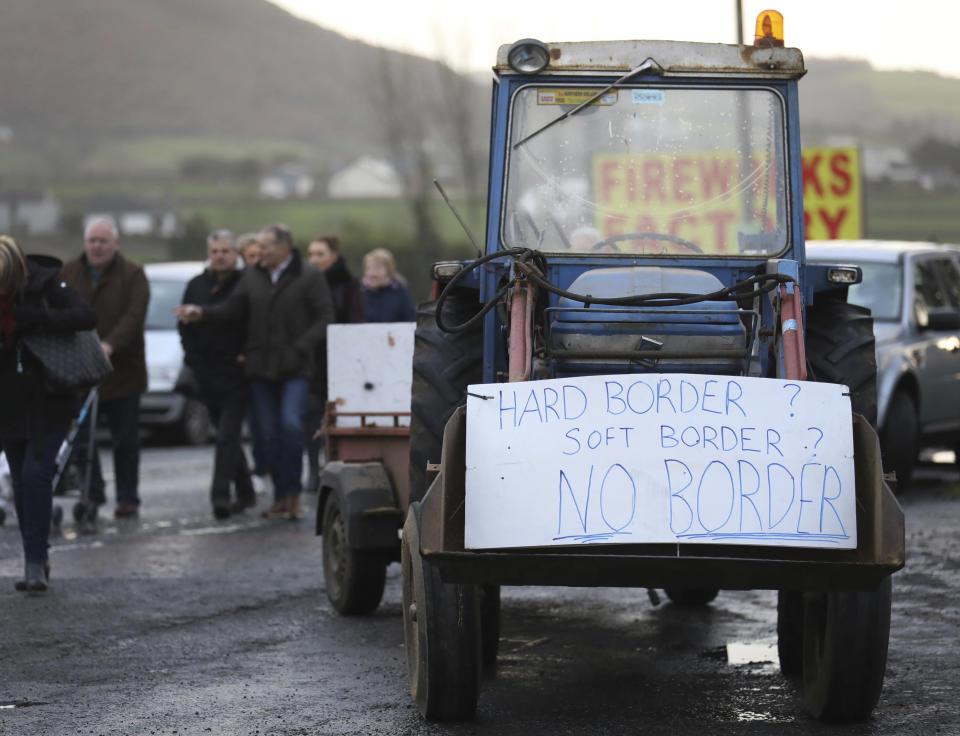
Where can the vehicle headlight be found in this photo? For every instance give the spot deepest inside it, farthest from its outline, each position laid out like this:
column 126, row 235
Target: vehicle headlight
column 843, row 275
column 528, row 56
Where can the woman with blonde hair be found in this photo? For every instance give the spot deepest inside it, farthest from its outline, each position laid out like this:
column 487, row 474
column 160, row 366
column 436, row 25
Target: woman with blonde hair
column 249, row 248
column 33, row 421
column 385, row 298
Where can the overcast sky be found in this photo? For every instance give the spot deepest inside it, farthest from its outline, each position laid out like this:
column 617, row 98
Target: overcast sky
column 891, row 34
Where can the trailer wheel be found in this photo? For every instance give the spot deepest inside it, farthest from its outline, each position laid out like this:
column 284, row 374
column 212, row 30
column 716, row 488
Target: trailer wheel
column 441, row 632
column 489, row 626
column 845, row 637
column 841, row 349
column 691, row 596
column 790, row 632
column 444, row 364
column 354, row 578
column 899, row 439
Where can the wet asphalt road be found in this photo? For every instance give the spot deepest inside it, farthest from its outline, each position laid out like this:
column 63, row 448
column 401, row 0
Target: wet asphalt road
column 177, row 624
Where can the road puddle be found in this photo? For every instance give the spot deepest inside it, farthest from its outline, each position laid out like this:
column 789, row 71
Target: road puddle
column 760, row 655
column 21, row 704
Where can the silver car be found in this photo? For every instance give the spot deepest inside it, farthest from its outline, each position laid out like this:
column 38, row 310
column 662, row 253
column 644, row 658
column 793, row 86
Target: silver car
column 913, row 290
column 182, row 418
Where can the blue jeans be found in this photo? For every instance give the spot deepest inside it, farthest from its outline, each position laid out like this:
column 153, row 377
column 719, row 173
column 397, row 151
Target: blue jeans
column 123, row 418
column 31, row 470
column 256, row 444
column 278, row 407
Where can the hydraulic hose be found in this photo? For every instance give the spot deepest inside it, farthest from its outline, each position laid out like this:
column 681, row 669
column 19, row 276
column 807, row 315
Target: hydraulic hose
column 533, row 264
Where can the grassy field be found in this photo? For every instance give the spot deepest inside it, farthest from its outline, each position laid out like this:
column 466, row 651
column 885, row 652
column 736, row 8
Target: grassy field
column 898, row 214
column 74, row 194
column 387, row 222
column 164, row 155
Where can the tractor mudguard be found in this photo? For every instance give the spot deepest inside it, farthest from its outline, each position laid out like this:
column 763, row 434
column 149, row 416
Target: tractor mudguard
column 367, row 503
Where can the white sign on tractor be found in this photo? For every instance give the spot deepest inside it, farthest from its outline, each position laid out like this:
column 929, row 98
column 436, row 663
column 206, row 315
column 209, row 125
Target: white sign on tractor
column 660, row 458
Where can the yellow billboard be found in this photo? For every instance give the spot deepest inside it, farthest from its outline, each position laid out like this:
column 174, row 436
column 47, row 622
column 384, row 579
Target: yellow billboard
column 832, row 194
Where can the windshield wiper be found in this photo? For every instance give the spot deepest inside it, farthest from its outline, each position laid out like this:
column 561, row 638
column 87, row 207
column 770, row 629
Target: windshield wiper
column 647, row 65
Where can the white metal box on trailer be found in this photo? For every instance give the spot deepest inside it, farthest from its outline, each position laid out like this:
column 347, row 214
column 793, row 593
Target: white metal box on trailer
column 370, row 368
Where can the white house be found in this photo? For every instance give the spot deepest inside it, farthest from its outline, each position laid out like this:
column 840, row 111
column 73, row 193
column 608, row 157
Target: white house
column 30, row 213
column 366, row 178
column 285, row 182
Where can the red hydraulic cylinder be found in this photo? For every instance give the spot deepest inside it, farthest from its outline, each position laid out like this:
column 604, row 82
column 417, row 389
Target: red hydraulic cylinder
column 791, row 330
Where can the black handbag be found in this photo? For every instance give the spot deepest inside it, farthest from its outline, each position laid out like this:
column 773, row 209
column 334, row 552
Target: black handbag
column 71, row 361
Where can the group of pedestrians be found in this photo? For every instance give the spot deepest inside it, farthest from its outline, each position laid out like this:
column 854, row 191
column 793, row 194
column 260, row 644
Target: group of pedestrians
column 253, row 327
column 265, row 325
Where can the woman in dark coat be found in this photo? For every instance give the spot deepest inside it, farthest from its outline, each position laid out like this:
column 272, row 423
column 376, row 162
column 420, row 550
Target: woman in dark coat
column 33, row 422
column 324, row 254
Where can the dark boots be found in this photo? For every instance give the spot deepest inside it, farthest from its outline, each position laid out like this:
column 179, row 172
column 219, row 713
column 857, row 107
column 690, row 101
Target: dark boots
column 35, row 578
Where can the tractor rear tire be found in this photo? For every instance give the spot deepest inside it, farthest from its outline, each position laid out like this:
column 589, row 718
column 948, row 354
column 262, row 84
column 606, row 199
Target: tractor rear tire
column 845, row 636
column 441, row 632
column 444, row 364
column 841, row 349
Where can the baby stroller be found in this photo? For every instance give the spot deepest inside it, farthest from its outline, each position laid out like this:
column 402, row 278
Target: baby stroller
column 6, row 488
column 84, row 510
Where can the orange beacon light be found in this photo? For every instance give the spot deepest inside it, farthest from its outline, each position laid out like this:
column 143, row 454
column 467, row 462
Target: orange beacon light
column 769, row 29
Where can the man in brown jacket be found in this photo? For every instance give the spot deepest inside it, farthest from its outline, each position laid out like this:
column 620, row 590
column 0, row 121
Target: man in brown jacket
column 118, row 291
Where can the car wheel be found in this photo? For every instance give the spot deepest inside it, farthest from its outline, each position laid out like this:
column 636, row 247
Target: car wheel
column 195, row 426
column 899, row 439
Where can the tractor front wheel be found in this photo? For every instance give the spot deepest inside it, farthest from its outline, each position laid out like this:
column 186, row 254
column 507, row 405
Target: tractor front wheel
column 441, row 633
column 790, row 632
column 845, row 637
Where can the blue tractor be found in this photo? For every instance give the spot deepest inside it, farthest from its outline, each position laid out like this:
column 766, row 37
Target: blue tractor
column 645, row 220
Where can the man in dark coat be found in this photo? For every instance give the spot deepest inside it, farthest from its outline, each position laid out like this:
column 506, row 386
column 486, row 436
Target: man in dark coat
column 119, row 293
column 214, row 354
column 286, row 306
column 324, row 254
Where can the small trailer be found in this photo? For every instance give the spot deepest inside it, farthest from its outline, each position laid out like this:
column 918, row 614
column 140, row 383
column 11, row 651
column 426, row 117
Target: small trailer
column 364, row 487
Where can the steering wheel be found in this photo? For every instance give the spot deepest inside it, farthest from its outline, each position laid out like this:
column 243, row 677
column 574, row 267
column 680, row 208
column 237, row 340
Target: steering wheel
column 614, row 240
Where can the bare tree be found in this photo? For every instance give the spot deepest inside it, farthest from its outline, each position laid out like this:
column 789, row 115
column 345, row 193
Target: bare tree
column 405, row 121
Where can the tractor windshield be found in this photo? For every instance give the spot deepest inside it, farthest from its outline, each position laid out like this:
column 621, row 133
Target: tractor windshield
column 646, row 170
